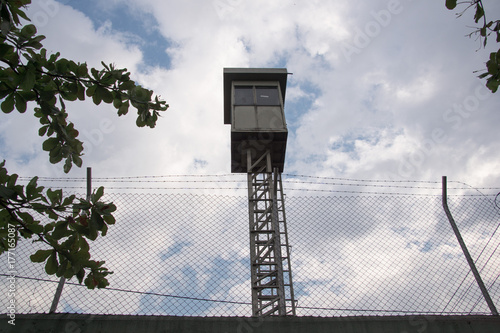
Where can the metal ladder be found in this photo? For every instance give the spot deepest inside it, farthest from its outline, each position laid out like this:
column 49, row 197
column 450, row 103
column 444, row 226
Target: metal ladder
column 271, row 275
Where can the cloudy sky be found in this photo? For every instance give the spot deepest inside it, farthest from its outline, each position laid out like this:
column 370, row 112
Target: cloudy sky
column 380, row 89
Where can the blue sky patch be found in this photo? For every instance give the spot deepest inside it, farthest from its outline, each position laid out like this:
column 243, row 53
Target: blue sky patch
column 174, row 249
column 140, row 25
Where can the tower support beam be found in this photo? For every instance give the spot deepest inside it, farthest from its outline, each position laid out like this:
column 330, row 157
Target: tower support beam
column 271, row 277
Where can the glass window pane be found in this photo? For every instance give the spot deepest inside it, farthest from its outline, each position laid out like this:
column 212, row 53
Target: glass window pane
column 270, row 117
column 244, row 118
column 267, row 96
column 243, row 95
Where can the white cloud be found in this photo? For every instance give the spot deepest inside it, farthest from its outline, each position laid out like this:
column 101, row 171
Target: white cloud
column 380, row 89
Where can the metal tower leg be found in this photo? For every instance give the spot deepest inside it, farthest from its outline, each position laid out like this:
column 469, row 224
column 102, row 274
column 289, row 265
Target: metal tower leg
column 272, row 290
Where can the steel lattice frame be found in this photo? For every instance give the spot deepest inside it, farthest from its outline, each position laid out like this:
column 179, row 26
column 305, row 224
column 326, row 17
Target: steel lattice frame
column 271, row 276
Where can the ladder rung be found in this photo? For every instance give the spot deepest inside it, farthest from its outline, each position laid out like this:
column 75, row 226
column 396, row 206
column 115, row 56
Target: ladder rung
column 265, row 263
column 268, row 297
column 274, row 286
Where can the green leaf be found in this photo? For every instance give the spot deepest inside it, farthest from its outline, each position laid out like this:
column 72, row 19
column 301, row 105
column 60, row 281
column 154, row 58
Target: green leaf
column 61, row 230
column 97, row 96
column 104, row 230
column 492, row 67
column 107, row 96
column 451, row 4
column 8, row 104
column 35, row 42
column 80, row 275
column 117, row 101
column 50, row 144
column 51, row 265
column 21, row 104
column 109, row 219
column 7, row 193
column 127, row 85
column 95, row 73
column 62, row 267
column 96, row 220
column 91, row 90
column 82, row 71
column 13, row 58
column 84, row 245
column 27, row 95
column 28, row 31
column 27, row 219
column 56, row 155
column 11, row 182
column 493, row 84
column 5, row 49
column 36, row 228
column 71, row 243
column 54, row 196
column 69, row 200
column 97, row 195
column 123, row 109
column 81, row 92
column 91, row 282
column 77, row 160
column 40, row 255
column 28, row 81
column 49, row 227
column 67, row 165
column 62, row 66
column 479, row 13
column 43, row 130
column 31, row 188
column 83, row 205
column 69, row 272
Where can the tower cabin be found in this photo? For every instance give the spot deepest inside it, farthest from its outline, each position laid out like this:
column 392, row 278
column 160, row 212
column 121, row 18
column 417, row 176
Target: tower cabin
column 254, row 100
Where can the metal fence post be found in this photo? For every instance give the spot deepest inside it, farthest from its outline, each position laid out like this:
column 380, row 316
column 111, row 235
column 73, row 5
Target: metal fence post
column 467, row 255
column 62, row 280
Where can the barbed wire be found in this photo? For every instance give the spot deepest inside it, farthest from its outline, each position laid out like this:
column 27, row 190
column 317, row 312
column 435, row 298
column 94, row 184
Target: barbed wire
column 290, row 181
column 140, row 179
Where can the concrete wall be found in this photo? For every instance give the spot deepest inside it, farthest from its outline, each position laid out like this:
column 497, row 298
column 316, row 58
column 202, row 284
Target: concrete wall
column 75, row 323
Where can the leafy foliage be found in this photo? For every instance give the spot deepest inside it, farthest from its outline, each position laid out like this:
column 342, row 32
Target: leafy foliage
column 484, row 31
column 28, row 73
column 67, row 224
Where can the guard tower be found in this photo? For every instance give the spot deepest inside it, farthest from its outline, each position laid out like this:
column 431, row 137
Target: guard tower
column 254, row 107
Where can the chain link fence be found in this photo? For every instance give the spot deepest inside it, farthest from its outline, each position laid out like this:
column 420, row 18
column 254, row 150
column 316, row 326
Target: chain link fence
column 187, row 254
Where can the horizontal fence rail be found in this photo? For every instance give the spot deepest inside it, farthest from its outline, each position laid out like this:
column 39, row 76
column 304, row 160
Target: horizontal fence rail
column 366, row 249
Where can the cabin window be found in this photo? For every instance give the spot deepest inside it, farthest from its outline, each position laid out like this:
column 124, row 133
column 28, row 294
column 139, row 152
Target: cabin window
column 243, row 95
column 267, row 96
column 257, row 107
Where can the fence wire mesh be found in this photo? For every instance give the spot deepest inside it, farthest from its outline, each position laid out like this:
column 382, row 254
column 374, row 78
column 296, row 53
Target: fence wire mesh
column 187, row 254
